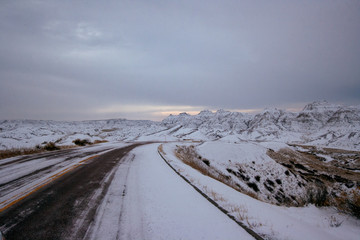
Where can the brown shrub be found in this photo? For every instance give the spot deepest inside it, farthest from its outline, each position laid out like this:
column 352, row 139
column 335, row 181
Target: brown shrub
column 51, row 146
column 82, row 142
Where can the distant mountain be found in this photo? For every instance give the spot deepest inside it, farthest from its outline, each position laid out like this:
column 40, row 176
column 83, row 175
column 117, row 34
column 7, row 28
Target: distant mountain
column 319, row 123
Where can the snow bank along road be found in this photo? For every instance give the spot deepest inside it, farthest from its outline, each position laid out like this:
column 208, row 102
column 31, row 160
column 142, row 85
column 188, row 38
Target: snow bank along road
column 123, row 193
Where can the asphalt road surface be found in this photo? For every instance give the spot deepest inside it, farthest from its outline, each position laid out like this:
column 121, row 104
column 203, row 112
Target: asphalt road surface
column 64, row 208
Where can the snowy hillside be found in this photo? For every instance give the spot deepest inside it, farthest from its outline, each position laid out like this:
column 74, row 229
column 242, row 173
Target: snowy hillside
column 319, row 123
column 253, row 188
column 28, row 133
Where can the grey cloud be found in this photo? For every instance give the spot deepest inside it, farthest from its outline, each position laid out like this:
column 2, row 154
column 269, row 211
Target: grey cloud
column 218, row 54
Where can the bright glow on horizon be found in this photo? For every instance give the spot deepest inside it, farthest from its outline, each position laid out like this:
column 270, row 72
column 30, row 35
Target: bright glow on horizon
column 148, row 108
column 159, row 112
column 250, row 111
column 146, row 112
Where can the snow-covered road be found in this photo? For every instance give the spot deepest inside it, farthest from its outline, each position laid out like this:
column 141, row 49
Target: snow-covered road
column 118, row 195
column 147, row 200
column 20, row 176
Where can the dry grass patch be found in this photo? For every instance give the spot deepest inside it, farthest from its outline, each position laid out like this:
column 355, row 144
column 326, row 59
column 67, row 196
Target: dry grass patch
column 329, row 183
column 216, row 197
column 100, row 141
column 189, row 156
column 240, row 212
column 19, row 151
column 109, row 130
column 161, row 149
column 13, row 152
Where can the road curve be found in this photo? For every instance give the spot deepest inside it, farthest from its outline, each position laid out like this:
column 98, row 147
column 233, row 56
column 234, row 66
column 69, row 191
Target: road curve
column 54, row 210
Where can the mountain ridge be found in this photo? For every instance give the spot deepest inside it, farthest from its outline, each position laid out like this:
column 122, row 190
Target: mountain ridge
column 318, row 123
column 318, row 120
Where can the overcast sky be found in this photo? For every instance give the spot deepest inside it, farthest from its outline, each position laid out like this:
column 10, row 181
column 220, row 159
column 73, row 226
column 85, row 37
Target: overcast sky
column 77, row 60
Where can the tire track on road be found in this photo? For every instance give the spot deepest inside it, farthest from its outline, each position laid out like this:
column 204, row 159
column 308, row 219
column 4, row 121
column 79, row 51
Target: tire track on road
column 52, row 211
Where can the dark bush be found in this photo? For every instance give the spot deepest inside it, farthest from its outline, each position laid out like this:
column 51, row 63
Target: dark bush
column 354, row 208
column 270, row 189
column 300, row 166
column 326, row 177
column 253, row 186
column 287, row 165
column 318, row 196
column 230, row 171
column 340, row 179
column 51, row 146
column 207, row 162
column 271, row 183
column 80, row 142
column 243, row 177
column 349, row 184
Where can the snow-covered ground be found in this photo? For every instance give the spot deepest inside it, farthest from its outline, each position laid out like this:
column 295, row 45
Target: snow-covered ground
column 29, row 133
column 147, row 200
column 250, row 167
column 273, row 222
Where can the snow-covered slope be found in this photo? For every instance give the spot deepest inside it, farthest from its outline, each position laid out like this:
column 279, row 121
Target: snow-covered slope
column 268, row 220
column 28, row 133
column 319, row 123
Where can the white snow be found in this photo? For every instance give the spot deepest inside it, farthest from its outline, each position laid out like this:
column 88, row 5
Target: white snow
column 326, row 157
column 244, row 152
column 274, row 221
column 147, row 200
column 158, row 204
